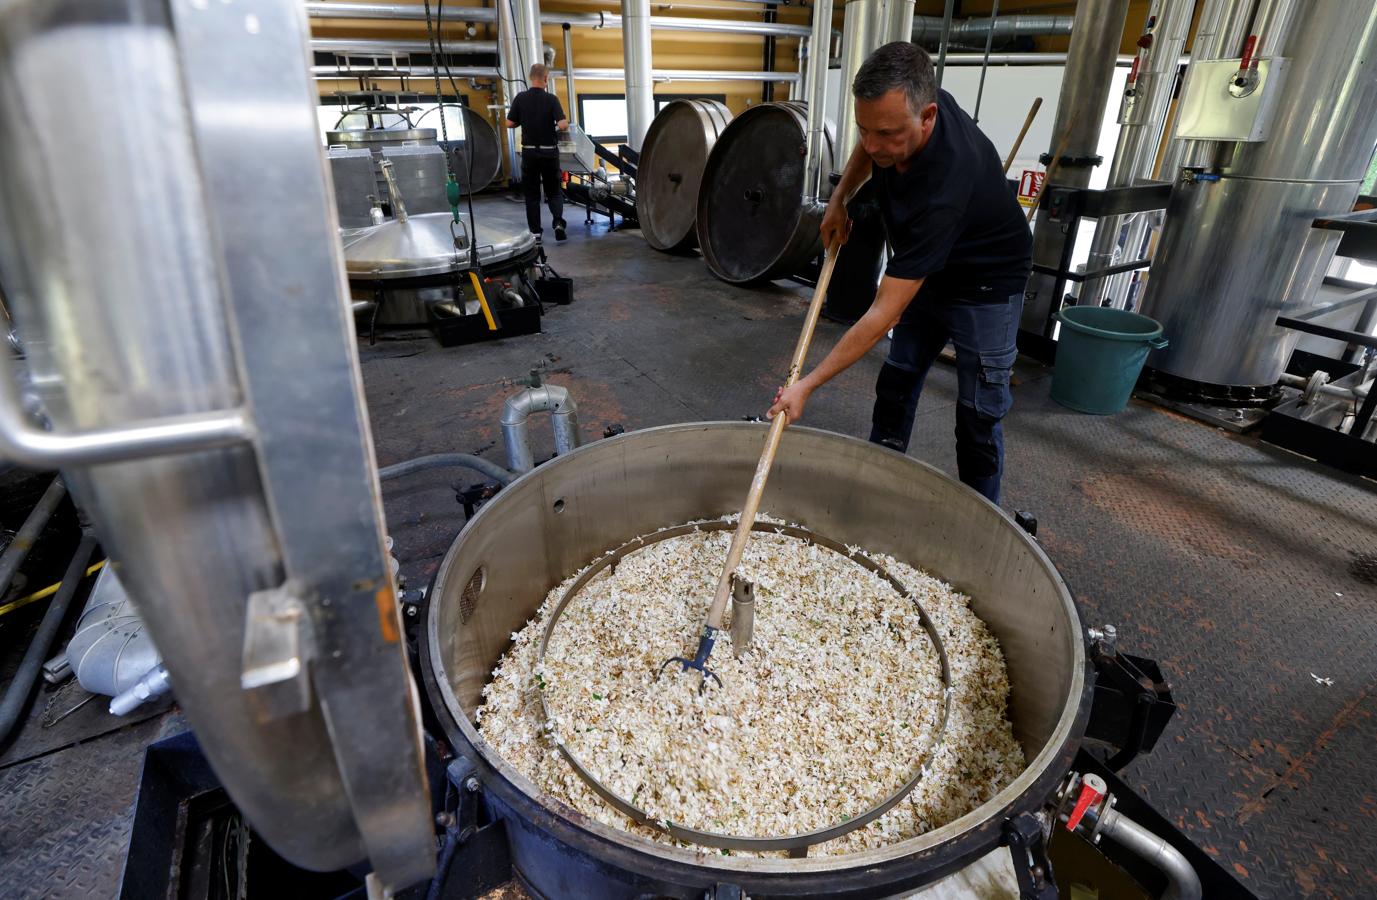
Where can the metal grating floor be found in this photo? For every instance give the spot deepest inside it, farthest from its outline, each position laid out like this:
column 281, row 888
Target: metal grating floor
column 1230, row 562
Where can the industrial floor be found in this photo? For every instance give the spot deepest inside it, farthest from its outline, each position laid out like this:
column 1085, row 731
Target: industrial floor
column 1238, row 566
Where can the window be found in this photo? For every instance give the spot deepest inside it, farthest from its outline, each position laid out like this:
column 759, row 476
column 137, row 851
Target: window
column 603, row 116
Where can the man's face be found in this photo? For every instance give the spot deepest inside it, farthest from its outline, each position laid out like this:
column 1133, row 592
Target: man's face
column 890, row 131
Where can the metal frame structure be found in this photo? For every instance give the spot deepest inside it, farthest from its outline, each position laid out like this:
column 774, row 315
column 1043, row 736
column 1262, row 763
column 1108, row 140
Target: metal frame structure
column 173, row 305
column 1320, row 426
column 1064, row 207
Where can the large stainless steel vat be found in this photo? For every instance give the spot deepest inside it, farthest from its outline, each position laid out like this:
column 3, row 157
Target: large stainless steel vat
column 565, row 513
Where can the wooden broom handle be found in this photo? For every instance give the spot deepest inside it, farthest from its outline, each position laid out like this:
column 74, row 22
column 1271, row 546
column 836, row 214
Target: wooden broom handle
column 1018, row 142
column 767, row 458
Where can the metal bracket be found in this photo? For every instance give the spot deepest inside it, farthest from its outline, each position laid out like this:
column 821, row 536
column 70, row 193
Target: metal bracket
column 1028, row 847
column 278, row 645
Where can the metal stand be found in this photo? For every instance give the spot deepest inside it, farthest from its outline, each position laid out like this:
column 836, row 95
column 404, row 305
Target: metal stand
column 1066, row 206
column 1333, row 422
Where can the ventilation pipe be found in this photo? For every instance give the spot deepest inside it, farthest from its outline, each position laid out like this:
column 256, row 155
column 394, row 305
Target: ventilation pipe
column 897, row 19
column 571, row 109
column 1096, row 31
column 640, row 88
column 817, row 101
column 516, row 414
column 928, row 29
column 860, row 37
column 596, row 20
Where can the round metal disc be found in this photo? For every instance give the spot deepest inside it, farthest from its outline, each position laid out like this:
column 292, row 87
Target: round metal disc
column 753, row 223
column 477, row 156
column 673, row 156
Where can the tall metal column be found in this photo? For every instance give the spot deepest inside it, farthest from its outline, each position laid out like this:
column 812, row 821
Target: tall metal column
column 897, row 19
column 1238, row 251
column 859, row 39
column 819, row 47
column 640, row 89
column 1095, row 35
column 1142, row 115
column 511, row 80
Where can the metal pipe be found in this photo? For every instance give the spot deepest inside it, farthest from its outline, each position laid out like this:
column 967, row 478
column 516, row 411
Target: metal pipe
column 22, row 684
column 530, row 48
column 743, row 615
column 860, row 37
column 326, row 73
column 1182, row 882
column 1354, row 393
column 1270, row 24
column 896, row 21
column 416, row 12
column 111, row 648
column 636, row 56
column 946, row 39
column 447, row 461
column 28, row 533
column 510, row 80
column 516, row 413
column 383, row 46
column 571, row 112
column 155, row 682
column 985, row 65
column 999, row 28
column 1095, row 36
column 1142, row 115
column 817, row 101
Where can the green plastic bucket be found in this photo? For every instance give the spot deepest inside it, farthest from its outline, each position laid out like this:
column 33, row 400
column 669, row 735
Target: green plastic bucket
column 1100, row 354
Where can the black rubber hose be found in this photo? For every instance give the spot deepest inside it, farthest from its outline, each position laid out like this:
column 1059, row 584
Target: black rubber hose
column 23, row 542
column 448, row 461
column 21, row 686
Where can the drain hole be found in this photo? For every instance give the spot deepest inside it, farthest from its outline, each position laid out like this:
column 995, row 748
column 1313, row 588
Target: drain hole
column 559, row 505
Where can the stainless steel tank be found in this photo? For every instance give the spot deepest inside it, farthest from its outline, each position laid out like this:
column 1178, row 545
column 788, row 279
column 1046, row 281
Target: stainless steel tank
column 673, row 157
column 408, row 266
column 755, row 220
column 565, row 513
column 1239, row 251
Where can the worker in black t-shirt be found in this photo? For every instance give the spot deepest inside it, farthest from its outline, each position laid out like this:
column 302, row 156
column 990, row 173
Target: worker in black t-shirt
column 962, row 255
column 539, row 116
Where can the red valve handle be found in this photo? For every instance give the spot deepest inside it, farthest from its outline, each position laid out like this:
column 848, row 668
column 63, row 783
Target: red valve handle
column 1093, row 790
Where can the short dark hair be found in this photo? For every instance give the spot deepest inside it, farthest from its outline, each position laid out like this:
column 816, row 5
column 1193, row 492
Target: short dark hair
column 540, row 72
column 897, row 65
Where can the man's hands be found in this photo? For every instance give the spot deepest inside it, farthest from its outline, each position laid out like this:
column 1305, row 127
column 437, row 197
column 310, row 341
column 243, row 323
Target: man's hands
column 790, row 401
column 836, row 225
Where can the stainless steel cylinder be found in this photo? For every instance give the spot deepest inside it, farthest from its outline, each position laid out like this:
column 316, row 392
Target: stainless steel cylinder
column 1090, row 61
column 817, row 101
column 753, row 223
column 640, row 89
column 673, row 157
column 861, row 34
column 1238, row 252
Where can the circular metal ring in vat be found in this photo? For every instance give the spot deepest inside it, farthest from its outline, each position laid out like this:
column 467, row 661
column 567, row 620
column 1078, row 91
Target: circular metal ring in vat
column 743, row 842
column 753, row 222
column 671, row 169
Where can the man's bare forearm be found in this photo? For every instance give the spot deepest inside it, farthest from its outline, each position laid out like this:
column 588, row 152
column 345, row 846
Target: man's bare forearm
column 891, row 300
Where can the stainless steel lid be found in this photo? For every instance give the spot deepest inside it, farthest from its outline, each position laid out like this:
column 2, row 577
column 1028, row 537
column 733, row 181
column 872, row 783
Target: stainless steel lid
column 425, row 245
column 371, row 136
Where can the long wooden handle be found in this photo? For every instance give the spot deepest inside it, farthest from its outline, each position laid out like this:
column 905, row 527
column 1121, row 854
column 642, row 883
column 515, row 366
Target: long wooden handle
column 1056, row 162
column 767, row 457
column 1018, row 142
